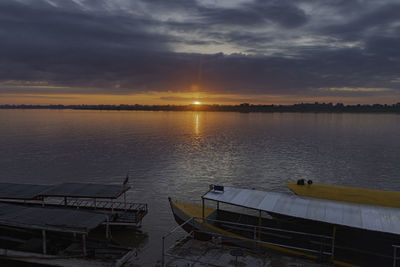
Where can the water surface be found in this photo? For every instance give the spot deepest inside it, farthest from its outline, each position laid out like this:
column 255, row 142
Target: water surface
column 179, row 154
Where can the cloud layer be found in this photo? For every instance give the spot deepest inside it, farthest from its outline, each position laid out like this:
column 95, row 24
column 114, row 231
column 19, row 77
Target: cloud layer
column 303, row 48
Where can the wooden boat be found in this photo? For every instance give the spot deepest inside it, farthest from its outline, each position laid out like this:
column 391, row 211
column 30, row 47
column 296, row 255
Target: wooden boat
column 314, row 228
column 346, row 193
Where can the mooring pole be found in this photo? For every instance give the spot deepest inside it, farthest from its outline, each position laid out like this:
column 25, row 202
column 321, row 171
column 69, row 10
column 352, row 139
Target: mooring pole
column 44, row 242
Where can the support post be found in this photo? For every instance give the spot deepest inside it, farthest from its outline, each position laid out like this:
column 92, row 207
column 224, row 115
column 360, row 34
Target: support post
column 65, row 201
column 107, row 229
column 125, row 200
column 44, row 242
column 202, row 207
column 333, row 242
column 259, row 224
column 217, row 205
column 84, row 244
column 94, row 203
column 394, row 256
column 162, row 254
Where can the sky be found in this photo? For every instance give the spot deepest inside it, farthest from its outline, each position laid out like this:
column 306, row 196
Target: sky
column 210, row 51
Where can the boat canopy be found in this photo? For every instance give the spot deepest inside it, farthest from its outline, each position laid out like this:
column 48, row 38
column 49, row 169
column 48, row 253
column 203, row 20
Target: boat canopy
column 52, row 219
column 362, row 216
column 88, row 190
column 21, row 191
column 76, row 190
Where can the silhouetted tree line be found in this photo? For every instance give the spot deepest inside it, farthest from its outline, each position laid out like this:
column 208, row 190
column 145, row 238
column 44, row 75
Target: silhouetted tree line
column 245, row 107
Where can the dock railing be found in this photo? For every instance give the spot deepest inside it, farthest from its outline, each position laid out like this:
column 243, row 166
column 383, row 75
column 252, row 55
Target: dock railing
column 324, row 242
column 128, row 212
column 103, row 204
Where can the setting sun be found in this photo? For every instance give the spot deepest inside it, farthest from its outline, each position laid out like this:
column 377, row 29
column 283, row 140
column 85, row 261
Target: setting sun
column 197, row 103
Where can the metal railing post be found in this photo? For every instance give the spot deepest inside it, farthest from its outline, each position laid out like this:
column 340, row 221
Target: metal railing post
column 44, row 242
column 162, row 254
column 333, row 242
column 84, row 245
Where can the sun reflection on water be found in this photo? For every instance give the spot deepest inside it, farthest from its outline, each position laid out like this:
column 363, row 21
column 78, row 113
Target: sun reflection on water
column 196, row 124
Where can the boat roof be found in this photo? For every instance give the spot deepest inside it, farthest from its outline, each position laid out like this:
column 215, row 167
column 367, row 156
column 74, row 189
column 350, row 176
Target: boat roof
column 87, row 190
column 21, row 191
column 362, row 216
column 77, row 190
column 51, row 219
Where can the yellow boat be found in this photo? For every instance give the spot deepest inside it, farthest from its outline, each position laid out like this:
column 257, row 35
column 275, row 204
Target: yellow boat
column 346, row 193
column 299, row 226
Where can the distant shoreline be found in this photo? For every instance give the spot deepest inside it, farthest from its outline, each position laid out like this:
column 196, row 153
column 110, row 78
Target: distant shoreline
column 244, row 108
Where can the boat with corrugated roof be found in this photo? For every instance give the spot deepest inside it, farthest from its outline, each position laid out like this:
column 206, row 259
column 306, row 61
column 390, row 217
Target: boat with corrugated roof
column 341, row 232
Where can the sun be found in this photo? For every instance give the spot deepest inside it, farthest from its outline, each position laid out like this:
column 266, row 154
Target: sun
column 197, row 103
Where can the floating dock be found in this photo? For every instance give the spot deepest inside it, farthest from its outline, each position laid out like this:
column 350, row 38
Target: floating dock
column 83, row 196
column 51, row 224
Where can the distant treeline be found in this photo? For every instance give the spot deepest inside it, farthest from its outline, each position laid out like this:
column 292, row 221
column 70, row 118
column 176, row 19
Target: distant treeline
column 245, row 107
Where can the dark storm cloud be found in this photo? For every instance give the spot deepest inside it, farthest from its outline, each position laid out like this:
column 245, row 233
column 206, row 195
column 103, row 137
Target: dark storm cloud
column 380, row 21
column 100, row 47
column 257, row 13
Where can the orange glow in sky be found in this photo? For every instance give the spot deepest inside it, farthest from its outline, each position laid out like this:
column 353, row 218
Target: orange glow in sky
column 182, row 98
